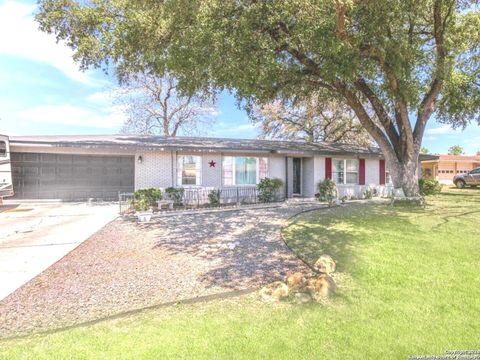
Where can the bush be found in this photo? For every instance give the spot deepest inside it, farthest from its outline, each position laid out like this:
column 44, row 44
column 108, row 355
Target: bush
column 368, row 194
column 175, row 194
column 143, row 199
column 429, row 187
column 214, row 197
column 327, row 190
column 268, row 188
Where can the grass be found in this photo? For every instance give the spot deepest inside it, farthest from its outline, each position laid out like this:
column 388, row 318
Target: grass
column 408, row 284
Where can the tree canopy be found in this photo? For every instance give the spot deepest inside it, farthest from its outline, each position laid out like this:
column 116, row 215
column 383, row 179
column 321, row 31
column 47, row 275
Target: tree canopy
column 309, row 119
column 154, row 107
column 393, row 62
column 455, row 150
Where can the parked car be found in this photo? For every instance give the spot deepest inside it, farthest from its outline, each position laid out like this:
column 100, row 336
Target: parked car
column 471, row 178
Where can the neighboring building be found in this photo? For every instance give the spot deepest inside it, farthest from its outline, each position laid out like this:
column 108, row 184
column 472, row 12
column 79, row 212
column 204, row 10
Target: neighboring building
column 445, row 167
column 82, row 167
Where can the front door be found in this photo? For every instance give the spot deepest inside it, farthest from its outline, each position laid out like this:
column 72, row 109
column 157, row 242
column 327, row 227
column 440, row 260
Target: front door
column 297, row 176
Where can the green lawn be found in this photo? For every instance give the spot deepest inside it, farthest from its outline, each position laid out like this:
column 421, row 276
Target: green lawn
column 409, row 283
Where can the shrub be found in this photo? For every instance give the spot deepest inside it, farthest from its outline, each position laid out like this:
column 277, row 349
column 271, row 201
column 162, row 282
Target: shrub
column 327, row 190
column 429, row 187
column 214, row 197
column 267, row 189
column 143, row 199
column 175, row 194
column 368, row 194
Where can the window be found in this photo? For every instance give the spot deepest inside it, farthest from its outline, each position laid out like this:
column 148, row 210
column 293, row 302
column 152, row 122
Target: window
column 345, row 171
column 3, row 149
column 188, row 170
column 239, row 170
column 475, row 171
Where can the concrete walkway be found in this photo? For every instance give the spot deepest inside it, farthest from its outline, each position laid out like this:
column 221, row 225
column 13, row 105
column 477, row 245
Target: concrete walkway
column 35, row 236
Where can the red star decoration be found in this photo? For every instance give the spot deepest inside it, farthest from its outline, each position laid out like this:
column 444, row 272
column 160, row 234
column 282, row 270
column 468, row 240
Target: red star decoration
column 212, row 163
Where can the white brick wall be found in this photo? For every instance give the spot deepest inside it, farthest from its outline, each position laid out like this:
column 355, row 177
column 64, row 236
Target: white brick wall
column 276, row 170
column 308, row 186
column 212, row 176
column 154, row 171
column 372, row 171
column 319, row 171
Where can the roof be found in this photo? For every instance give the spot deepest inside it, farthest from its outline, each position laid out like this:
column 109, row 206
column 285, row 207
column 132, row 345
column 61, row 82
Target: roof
column 472, row 158
column 191, row 143
column 198, row 143
column 455, row 158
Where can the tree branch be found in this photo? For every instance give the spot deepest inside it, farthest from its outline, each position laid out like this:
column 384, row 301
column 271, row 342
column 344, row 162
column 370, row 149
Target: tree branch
column 428, row 104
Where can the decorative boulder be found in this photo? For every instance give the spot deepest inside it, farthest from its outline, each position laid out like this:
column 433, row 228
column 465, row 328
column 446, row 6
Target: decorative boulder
column 295, row 280
column 325, row 264
column 275, row 291
column 319, row 288
column 302, row 298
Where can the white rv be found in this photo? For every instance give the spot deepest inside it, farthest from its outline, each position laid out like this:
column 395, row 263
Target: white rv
column 6, row 187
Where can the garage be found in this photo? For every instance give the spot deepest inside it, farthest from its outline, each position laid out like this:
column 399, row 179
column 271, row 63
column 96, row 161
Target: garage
column 71, row 176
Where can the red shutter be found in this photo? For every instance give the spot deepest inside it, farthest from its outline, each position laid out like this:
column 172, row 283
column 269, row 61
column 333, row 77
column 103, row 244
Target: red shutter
column 382, row 172
column 328, row 168
column 361, row 175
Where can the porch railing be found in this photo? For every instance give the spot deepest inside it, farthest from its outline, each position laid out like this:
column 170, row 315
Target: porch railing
column 192, row 198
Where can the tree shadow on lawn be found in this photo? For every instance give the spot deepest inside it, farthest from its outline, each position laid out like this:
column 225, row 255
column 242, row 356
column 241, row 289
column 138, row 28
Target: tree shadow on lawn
column 240, row 249
column 339, row 233
column 451, row 210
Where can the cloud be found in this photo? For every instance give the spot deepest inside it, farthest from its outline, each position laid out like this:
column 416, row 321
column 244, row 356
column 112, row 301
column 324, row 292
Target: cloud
column 102, row 97
column 22, row 38
column 105, row 118
column 473, row 141
column 442, row 130
column 246, row 127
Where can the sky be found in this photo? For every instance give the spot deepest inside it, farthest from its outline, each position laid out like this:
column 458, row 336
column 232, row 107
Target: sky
column 42, row 91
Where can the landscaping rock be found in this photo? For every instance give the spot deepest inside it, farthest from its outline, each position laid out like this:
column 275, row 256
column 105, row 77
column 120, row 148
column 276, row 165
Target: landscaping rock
column 275, row 291
column 303, row 298
column 325, row 264
column 295, row 280
column 319, row 288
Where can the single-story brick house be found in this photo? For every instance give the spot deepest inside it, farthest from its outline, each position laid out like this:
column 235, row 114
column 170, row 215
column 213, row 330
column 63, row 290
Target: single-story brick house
column 94, row 166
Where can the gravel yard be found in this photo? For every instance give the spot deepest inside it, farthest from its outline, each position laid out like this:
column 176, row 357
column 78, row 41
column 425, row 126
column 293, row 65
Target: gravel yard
column 127, row 266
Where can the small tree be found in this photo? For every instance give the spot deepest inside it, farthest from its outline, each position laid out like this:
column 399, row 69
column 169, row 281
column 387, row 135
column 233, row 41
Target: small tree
column 455, row 150
column 424, row 150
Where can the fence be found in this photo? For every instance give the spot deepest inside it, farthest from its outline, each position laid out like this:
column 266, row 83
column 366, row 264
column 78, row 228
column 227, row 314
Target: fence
column 190, row 198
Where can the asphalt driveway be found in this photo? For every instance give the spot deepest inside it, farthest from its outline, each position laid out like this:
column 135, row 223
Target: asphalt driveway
column 35, row 236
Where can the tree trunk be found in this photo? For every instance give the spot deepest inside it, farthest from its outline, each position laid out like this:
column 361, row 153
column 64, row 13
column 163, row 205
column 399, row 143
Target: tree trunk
column 404, row 174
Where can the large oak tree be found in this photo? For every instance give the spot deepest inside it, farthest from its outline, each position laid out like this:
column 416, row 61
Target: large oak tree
column 395, row 63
